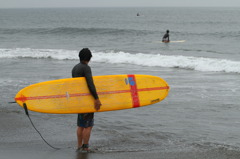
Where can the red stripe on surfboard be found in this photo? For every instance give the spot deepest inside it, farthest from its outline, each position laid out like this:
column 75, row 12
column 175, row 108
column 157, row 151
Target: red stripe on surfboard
column 23, row 98
column 134, row 91
column 152, row 89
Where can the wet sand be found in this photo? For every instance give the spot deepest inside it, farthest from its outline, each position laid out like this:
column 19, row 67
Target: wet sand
column 19, row 140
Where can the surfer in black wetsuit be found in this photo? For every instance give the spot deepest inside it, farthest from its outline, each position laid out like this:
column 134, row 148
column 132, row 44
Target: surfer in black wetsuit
column 85, row 121
column 166, row 38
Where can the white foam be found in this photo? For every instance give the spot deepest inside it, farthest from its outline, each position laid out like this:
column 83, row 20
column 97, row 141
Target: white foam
column 186, row 62
column 143, row 59
column 38, row 53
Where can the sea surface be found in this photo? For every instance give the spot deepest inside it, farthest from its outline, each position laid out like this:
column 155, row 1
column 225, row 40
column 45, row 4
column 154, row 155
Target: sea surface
column 199, row 118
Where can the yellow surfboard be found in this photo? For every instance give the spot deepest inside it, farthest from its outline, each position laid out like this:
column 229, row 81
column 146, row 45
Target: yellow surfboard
column 72, row 95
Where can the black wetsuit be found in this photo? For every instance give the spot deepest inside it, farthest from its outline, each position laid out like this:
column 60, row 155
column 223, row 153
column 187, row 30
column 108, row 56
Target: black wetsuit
column 83, row 70
column 166, row 38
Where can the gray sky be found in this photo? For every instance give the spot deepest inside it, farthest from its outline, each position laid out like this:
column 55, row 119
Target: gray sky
column 117, row 3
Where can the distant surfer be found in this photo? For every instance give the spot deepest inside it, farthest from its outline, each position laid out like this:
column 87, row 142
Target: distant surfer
column 138, row 14
column 85, row 121
column 166, row 38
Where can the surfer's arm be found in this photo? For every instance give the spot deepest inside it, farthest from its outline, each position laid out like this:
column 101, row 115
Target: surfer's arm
column 163, row 38
column 90, row 83
column 92, row 88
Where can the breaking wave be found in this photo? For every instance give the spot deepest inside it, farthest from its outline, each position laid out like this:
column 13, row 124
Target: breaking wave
column 142, row 59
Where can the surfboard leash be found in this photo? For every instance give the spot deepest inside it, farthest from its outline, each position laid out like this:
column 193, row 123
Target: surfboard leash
column 26, row 112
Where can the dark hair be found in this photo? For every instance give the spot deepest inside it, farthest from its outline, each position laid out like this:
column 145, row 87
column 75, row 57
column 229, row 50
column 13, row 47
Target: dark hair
column 85, row 54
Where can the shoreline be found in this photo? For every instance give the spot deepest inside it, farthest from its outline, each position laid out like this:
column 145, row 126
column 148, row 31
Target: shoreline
column 23, row 146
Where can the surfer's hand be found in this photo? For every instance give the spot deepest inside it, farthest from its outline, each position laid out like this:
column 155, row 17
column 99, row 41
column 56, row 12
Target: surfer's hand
column 97, row 104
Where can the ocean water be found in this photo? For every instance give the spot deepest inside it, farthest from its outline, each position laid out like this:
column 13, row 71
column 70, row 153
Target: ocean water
column 201, row 113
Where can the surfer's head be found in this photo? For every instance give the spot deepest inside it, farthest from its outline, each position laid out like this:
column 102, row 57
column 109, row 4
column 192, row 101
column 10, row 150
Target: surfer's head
column 85, row 54
column 167, row 31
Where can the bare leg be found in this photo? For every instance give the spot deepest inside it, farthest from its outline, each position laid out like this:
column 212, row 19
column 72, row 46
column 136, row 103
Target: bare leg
column 86, row 135
column 80, row 136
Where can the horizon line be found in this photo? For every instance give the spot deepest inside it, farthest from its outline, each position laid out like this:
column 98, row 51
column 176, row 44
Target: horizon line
column 121, row 7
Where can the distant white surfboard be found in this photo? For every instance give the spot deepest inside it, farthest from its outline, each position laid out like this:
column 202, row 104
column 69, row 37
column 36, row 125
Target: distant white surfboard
column 178, row 41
